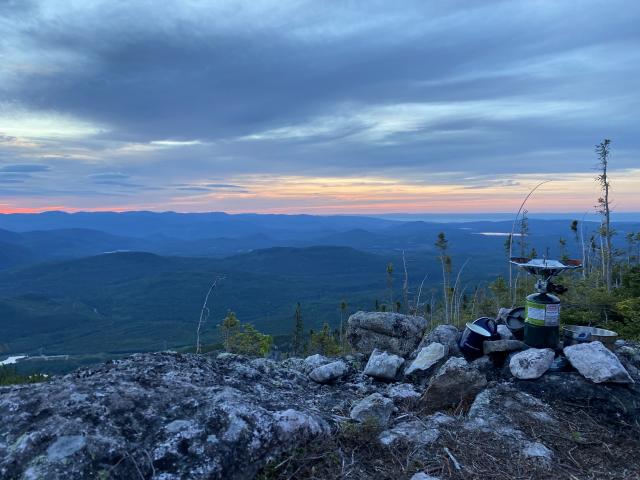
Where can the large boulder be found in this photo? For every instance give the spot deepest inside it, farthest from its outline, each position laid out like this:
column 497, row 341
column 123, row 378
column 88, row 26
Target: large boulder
column 455, row 381
column 531, row 364
column 447, row 335
column 329, row 372
column 374, row 408
column 383, row 365
column 396, row 333
column 594, row 361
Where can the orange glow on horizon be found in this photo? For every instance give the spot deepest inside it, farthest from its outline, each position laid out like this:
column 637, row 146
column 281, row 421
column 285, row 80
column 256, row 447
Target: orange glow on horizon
column 368, row 195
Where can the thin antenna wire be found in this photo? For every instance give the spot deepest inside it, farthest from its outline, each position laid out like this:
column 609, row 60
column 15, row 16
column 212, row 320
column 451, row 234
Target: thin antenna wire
column 513, row 229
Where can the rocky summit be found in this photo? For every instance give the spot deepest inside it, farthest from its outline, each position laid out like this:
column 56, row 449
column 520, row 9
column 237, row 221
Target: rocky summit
column 184, row 416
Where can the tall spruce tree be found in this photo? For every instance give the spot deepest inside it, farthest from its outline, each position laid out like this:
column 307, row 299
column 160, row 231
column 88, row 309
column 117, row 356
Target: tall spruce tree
column 603, row 150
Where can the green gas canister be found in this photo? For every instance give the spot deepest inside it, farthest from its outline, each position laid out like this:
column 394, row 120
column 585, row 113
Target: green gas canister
column 542, row 312
column 542, row 321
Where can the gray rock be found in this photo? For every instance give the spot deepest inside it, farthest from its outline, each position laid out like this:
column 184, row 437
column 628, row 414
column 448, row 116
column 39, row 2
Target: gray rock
column 65, row 446
column 413, row 431
column 187, row 416
column 531, row 364
column 611, row 400
column 455, row 381
column 315, row 361
column 629, row 356
column 501, row 408
column 402, row 393
column 505, row 333
column 329, row 372
column 447, row 335
column 497, row 346
column 383, row 365
column 393, row 332
column 537, row 450
column 374, row 407
column 427, row 357
column 595, row 362
column 423, row 476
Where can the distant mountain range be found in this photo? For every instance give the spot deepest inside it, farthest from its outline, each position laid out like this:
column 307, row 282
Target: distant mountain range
column 120, row 282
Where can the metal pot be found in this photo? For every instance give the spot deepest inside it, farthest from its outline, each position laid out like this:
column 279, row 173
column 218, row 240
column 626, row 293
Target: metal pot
column 574, row 334
column 475, row 334
column 514, row 321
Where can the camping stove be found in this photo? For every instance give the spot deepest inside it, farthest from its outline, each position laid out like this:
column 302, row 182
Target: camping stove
column 542, row 315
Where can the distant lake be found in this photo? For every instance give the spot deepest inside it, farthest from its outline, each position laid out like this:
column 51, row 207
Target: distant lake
column 497, row 234
column 12, row 360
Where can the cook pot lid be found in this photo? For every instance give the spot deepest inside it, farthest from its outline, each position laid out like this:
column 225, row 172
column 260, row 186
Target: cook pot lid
column 478, row 329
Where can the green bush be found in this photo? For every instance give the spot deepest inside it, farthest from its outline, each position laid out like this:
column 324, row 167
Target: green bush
column 9, row 376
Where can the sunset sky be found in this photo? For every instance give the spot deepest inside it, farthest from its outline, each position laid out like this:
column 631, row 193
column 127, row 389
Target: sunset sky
column 317, row 107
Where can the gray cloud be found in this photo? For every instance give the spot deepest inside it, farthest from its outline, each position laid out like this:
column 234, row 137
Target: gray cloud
column 108, row 176
column 309, row 88
column 24, row 168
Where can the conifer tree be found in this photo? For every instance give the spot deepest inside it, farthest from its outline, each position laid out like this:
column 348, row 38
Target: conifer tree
column 603, row 208
column 298, row 332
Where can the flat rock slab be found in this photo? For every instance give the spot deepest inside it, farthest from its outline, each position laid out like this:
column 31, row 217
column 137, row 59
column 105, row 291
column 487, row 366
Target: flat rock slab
column 497, row 346
column 383, row 365
column 427, row 357
column 594, row 361
column 392, row 332
column 531, row 364
column 329, row 372
column 414, row 431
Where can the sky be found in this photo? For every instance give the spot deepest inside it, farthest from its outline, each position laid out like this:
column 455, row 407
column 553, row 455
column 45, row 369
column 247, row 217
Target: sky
column 317, row 107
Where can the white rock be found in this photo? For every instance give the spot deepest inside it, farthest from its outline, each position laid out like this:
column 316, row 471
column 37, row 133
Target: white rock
column 427, row 357
column 595, row 362
column 537, row 450
column 505, row 333
column 446, row 335
column 292, row 422
column 65, row 446
column 383, row 365
column 423, row 476
column 402, row 392
column 329, row 372
column 414, row 431
column 317, row 360
column 531, row 363
column 374, row 407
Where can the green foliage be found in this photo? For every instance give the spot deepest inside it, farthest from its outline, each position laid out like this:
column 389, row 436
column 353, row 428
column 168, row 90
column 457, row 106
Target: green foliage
column 244, row 339
column 250, row 341
column 230, row 327
column 500, row 291
column 9, row 376
column 324, row 342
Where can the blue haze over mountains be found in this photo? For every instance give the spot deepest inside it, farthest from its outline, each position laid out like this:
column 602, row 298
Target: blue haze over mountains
column 112, row 283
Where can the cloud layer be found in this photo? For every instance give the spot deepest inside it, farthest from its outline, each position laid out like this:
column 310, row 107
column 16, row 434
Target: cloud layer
column 251, row 105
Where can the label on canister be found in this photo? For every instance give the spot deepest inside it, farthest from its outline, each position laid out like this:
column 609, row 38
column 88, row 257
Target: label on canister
column 543, row 315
